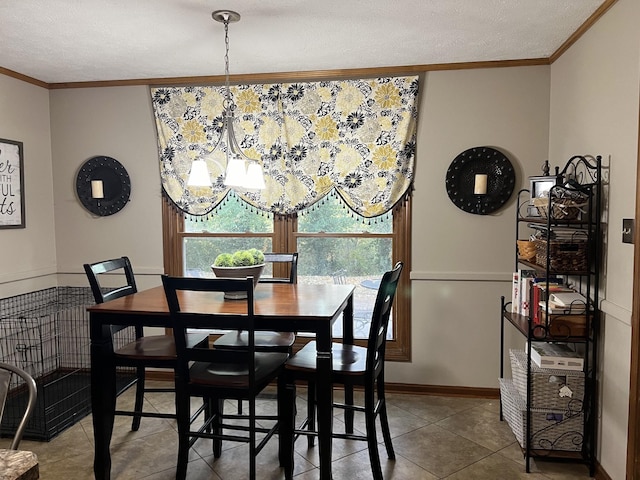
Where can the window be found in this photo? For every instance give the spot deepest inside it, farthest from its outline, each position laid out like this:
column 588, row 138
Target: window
column 334, row 247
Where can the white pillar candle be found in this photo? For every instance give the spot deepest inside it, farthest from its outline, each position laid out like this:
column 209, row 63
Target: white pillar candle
column 480, row 187
column 97, row 190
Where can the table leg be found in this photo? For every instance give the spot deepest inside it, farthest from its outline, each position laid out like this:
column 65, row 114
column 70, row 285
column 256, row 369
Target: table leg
column 286, row 421
column 103, row 400
column 324, row 395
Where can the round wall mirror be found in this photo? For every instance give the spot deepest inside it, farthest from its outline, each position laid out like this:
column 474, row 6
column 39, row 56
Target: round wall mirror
column 103, row 186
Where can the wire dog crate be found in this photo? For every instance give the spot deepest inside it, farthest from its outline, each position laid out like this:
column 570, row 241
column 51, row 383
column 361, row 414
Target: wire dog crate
column 46, row 333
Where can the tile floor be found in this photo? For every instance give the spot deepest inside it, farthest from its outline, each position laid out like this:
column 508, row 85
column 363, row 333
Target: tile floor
column 434, row 438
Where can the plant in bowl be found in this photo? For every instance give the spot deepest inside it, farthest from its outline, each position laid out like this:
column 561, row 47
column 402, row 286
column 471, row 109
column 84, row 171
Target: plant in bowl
column 240, row 264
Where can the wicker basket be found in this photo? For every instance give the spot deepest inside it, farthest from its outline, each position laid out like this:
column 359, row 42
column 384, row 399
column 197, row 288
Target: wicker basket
column 564, row 325
column 526, row 250
column 551, row 388
column 565, row 256
column 561, row 208
column 551, row 430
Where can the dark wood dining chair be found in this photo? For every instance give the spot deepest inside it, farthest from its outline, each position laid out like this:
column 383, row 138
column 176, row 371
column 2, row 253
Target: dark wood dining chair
column 352, row 365
column 267, row 341
column 282, row 263
column 219, row 374
column 155, row 351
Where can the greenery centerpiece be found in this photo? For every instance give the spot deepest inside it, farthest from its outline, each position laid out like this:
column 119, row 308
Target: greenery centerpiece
column 240, row 264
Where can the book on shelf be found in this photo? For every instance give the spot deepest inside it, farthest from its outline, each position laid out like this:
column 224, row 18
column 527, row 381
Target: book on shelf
column 543, row 290
column 515, row 292
column 537, row 294
column 555, row 309
column 556, row 356
column 567, row 299
column 527, row 278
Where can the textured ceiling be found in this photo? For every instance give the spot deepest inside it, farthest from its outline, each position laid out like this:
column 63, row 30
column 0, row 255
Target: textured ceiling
column 58, row 41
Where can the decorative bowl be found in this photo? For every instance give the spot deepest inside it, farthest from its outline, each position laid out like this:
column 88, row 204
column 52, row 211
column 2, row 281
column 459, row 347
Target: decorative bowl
column 254, row 271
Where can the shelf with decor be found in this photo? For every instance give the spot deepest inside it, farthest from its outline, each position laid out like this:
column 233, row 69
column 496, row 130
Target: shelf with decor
column 550, row 399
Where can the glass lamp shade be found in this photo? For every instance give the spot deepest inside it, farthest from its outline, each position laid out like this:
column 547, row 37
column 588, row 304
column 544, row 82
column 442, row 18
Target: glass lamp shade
column 199, row 175
column 255, row 177
column 236, row 173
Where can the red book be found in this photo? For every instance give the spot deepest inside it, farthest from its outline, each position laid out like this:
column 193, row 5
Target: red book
column 539, row 294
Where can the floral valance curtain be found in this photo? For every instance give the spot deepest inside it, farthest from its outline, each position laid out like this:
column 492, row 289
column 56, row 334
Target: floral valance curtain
column 354, row 137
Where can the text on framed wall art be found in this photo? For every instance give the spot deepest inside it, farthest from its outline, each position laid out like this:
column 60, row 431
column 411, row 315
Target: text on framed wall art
column 11, row 184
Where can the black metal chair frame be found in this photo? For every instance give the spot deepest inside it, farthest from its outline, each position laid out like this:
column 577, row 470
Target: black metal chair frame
column 371, row 378
column 198, row 372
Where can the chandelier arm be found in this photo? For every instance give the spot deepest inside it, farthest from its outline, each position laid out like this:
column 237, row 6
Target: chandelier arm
column 234, row 146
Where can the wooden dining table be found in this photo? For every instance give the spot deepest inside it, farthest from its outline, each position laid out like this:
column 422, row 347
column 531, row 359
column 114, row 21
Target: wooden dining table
column 279, row 307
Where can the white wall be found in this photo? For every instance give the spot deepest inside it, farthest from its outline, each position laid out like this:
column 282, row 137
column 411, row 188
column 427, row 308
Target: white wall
column 28, row 255
column 594, row 110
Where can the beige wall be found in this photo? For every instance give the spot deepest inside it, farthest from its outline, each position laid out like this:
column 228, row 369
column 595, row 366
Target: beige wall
column 461, row 262
column 594, row 109
column 116, row 122
column 505, row 108
column 28, row 255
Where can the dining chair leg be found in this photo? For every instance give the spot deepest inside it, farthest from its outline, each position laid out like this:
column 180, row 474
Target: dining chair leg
column 348, row 413
column 206, row 403
column 311, row 412
column 135, row 424
column 384, row 420
column 217, row 411
column 372, row 440
column 252, row 438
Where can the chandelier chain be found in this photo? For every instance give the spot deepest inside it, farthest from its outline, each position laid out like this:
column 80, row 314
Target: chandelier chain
column 228, row 102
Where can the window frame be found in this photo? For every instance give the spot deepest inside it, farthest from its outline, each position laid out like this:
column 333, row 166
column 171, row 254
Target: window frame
column 283, row 238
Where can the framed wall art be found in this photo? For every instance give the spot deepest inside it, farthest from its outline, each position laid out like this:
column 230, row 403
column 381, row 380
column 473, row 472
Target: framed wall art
column 11, row 184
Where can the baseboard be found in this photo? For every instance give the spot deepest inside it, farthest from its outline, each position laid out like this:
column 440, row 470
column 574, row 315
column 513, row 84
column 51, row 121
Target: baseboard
column 442, row 390
column 163, row 375
column 408, row 388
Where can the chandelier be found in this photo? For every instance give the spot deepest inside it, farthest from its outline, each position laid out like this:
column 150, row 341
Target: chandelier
column 241, row 171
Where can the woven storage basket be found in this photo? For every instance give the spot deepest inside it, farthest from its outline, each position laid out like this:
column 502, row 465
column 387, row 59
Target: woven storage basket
column 526, row 250
column 561, row 325
column 565, row 256
column 550, row 429
column 561, row 208
column 551, row 388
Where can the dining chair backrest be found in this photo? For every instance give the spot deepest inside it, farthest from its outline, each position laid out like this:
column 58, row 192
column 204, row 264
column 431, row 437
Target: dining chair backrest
column 102, row 294
column 380, row 320
column 116, row 265
column 289, row 260
column 177, row 289
column 6, row 371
